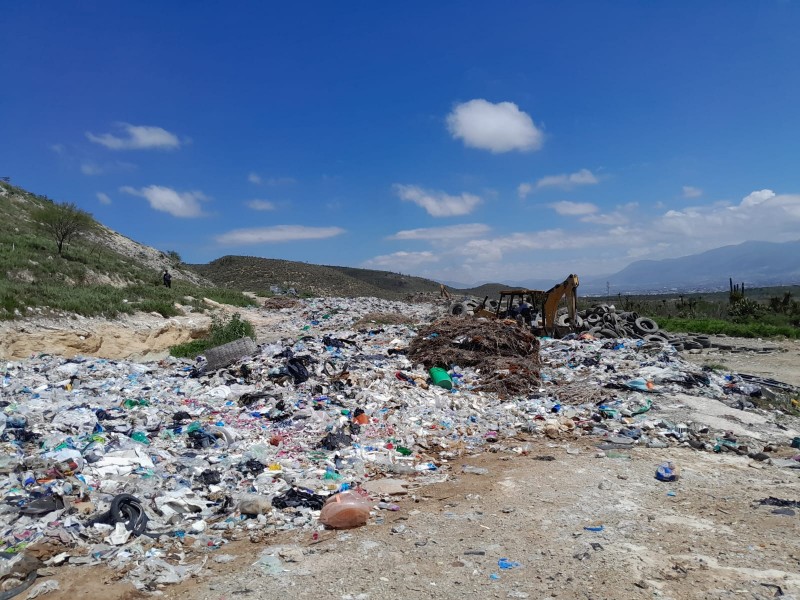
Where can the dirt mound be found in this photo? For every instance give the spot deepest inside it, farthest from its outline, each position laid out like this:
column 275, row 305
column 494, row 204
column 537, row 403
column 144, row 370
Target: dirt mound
column 97, row 338
column 506, row 355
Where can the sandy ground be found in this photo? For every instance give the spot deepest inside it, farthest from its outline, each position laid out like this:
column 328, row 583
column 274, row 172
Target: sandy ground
column 703, row 536
column 136, row 337
column 775, row 359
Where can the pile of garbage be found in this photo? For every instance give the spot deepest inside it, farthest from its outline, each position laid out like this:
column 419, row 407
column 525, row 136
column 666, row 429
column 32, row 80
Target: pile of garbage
column 504, row 353
column 135, row 464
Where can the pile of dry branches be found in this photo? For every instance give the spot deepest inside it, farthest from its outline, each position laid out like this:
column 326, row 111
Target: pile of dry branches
column 505, row 354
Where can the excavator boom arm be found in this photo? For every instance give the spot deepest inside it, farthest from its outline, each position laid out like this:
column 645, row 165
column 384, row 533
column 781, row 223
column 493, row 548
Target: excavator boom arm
column 568, row 288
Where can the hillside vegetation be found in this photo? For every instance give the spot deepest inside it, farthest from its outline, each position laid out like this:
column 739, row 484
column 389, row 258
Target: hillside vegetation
column 98, row 273
column 250, row 273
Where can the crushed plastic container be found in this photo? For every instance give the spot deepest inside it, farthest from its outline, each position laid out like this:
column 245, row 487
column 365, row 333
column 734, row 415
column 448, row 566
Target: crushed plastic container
column 345, row 510
column 667, row 471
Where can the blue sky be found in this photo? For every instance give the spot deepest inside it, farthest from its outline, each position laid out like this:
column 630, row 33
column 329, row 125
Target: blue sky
column 460, row 141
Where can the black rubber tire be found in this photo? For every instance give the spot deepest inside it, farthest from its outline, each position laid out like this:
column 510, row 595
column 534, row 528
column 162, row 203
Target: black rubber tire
column 608, row 334
column 645, row 325
column 593, row 319
column 457, row 309
column 678, row 346
column 651, row 337
column 126, row 508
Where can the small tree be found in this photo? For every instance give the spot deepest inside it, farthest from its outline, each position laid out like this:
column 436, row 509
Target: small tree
column 63, row 222
column 174, row 257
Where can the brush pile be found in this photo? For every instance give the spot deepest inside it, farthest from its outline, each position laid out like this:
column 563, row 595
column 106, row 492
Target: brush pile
column 505, row 354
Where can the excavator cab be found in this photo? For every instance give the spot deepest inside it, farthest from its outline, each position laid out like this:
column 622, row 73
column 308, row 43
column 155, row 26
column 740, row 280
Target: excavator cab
column 511, row 299
column 544, row 302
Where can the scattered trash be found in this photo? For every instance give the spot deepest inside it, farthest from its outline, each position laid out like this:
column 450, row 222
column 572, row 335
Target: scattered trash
column 44, row 587
column 772, row 501
column 345, row 511
column 504, row 563
column 99, row 453
column 595, row 528
column 667, row 471
column 441, row 378
column 474, row 470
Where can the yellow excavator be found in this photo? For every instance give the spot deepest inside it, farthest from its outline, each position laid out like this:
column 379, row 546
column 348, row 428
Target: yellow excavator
column 522, row 302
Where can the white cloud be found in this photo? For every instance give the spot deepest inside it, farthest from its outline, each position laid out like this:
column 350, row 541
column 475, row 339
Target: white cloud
column 57, row 148
column 103, row 198
column 620, row 216
column 137, row 137
column 565, row 207
column 261, row 205
column 523, row 189
column 500, row 127
column 438, row 234
column 257, row 179
column 164, row 199
column 756, row 198
column 400, row 261
column 276, row 234
column 567, row 181
column 91, row 168
column 438, row 204
column 691, row 192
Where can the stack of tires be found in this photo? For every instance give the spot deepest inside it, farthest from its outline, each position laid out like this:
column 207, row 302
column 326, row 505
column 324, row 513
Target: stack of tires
column 603, row 321
column 467, row 306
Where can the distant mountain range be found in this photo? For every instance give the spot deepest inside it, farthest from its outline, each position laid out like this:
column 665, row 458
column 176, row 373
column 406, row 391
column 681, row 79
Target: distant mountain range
column 754, row 263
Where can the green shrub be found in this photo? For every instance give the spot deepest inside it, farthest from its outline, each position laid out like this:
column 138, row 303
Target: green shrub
column 162, row 307
column 222, row 331
column 226, row 296
column 750, row 329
